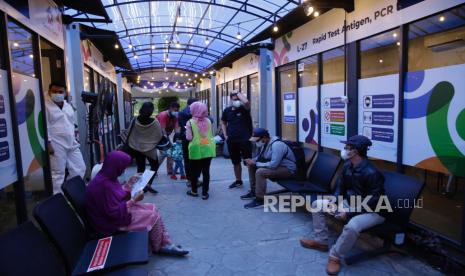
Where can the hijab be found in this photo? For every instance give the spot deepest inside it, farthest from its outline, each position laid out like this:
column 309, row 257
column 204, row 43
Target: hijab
column 200, row 115
column 145, row 113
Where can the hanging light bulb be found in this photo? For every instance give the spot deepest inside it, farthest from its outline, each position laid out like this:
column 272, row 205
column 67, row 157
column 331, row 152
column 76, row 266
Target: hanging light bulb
column 239, row 36
column 310, row 10
column 116, row 46
column 178, row 45
column 153, row 47
column 275, row 28
column 316, row 14
column 176, row 73
column 130, row 46
column 166, row 78
column 135, row 56
column 207, row 41
column 165, row 69
column 179, row 19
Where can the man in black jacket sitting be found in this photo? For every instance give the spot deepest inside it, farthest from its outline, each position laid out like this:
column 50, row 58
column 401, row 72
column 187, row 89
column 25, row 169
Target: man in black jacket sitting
column 359, row 178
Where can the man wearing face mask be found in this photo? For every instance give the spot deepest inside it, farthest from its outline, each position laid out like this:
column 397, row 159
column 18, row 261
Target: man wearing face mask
column 236, row 124
column 275, row 160
column 358, row 178
column 168, row 120
column 62, row 145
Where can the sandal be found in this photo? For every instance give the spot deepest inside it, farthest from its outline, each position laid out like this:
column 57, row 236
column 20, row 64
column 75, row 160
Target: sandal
column 173, row 250
column 190, row 193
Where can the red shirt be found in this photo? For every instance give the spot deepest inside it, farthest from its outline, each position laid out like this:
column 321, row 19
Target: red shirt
column 168, row 122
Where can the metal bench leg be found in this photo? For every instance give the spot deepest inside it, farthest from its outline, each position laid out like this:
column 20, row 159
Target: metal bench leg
column 277, row 192
column 386, row 249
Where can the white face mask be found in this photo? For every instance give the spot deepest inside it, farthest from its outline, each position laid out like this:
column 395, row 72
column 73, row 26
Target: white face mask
column 236, row 104
column 260, row 144
column 58, row 98
column 174, row 113
column 345, row 154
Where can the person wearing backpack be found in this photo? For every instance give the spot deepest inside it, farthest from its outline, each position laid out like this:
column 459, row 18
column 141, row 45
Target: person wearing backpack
column 275, row 160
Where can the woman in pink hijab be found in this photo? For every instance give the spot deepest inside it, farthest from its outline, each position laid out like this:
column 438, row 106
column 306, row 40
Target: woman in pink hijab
column 202, row 148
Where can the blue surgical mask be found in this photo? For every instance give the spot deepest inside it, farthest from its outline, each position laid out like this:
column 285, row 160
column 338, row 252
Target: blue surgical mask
column 236, row 104
column 174, row 113
column 57, row 97
column 260, row 144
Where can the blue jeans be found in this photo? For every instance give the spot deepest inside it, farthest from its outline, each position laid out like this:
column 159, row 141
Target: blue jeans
column 179, row 166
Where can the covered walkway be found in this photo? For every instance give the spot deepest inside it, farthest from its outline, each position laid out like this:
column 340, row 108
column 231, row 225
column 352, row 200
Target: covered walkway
column 227, row 239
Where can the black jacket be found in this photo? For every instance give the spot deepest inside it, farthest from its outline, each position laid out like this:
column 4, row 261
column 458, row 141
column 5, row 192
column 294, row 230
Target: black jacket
column 362, row 180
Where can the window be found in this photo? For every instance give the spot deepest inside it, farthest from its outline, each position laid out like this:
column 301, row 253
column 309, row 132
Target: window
column 21, row 49
column 333, row 109
column 288, row 87
column 254, row 99
column 378, row 93
column 435, row 109
column 308, row 102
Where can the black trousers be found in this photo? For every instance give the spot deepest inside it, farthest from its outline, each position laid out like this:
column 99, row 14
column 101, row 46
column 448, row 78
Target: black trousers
column 185, row 153
column 141, row 160
column 198, row 167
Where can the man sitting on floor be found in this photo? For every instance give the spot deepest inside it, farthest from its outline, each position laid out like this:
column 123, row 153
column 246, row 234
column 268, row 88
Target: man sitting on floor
column 275, row 160
column 358, row 178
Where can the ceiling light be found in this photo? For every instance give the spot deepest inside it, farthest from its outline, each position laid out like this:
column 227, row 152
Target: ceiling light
column 167, row 59
column 212, row 72
column 394, row 34
column 187, row 75
column 153, row 47
column 442, row 18
column 15, row 44
column 116, row 46
column 207, row 41
column 316, row 14
column 178, row 45
column 130, row 46
column 275, row 28
column 398, row 43
column 176, row 73
column 190, row 79
column 203, row 74
column 135, row 56
column 310, row 10
column 166, row 78
column 153, row 78
column 165, row 69
column 380, row 61
column 31, row 56
column 195, row 75
column 239, row 36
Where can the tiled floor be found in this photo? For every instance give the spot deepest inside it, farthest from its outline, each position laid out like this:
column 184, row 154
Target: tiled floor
column 226, row 239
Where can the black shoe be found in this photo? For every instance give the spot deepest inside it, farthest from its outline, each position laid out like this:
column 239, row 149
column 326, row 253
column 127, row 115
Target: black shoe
column 236, row 184
column 190, row 193
column 249, row 195
column 254, row 204
column 205, row 196
column 150, row 190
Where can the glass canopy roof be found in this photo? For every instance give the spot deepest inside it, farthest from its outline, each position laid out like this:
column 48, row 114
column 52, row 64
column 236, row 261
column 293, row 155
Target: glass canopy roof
column 190, row 35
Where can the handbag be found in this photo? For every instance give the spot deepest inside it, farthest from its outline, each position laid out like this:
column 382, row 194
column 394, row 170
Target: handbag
column 164, row 144
column 124, row 135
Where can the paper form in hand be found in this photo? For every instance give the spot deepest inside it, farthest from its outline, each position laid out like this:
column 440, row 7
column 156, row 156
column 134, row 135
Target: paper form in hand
column 142, row 182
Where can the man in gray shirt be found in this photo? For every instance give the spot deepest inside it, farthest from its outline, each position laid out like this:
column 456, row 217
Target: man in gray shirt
column 275, row 160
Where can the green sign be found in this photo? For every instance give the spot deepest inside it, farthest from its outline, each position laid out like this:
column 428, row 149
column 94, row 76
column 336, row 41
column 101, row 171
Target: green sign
column 338, row 130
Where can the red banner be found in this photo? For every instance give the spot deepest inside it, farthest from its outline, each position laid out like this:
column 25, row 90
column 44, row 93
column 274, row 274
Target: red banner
column 100, row 254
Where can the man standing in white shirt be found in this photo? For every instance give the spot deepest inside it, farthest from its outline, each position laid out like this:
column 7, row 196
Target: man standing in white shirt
column 63, row 148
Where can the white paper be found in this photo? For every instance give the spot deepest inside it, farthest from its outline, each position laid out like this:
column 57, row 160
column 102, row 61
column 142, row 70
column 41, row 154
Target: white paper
column 142, row 182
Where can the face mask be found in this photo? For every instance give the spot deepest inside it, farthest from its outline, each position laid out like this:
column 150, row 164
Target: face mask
column 236, row 104
column 58, row 98
column 260, row 144
column 174, row 113
column 345, row 154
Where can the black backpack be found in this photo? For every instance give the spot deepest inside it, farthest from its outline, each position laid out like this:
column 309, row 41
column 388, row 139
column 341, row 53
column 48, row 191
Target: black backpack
column 299, row 155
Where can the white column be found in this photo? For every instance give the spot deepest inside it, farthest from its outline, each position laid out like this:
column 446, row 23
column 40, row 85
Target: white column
column 120, row 99
column 213, row 111
column 267, row 116
column 75, row 70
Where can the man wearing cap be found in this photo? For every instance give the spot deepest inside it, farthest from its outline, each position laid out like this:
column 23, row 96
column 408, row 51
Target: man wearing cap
column 358, row 178
column 236, row 123
column 274, row 160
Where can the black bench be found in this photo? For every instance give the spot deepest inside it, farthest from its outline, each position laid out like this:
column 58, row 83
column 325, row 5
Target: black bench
column 400, row 190
column 24, row 251
column 66, row 232
column 319, row 176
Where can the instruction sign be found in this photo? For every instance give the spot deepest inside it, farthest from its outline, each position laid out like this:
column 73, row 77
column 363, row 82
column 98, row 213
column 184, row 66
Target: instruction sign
column 334, row 119
column 289, row 108
column 100, row 254
column 377, row 118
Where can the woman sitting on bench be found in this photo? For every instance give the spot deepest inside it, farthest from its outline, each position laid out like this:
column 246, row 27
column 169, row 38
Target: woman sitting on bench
column 110, row 207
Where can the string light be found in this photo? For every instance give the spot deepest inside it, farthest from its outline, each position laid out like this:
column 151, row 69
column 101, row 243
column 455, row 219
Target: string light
column 207, row 41
column 130, row 46
column 275, row 28
column 116, row 46
column 310, row 10
column 316, row 14
column 153, row 47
